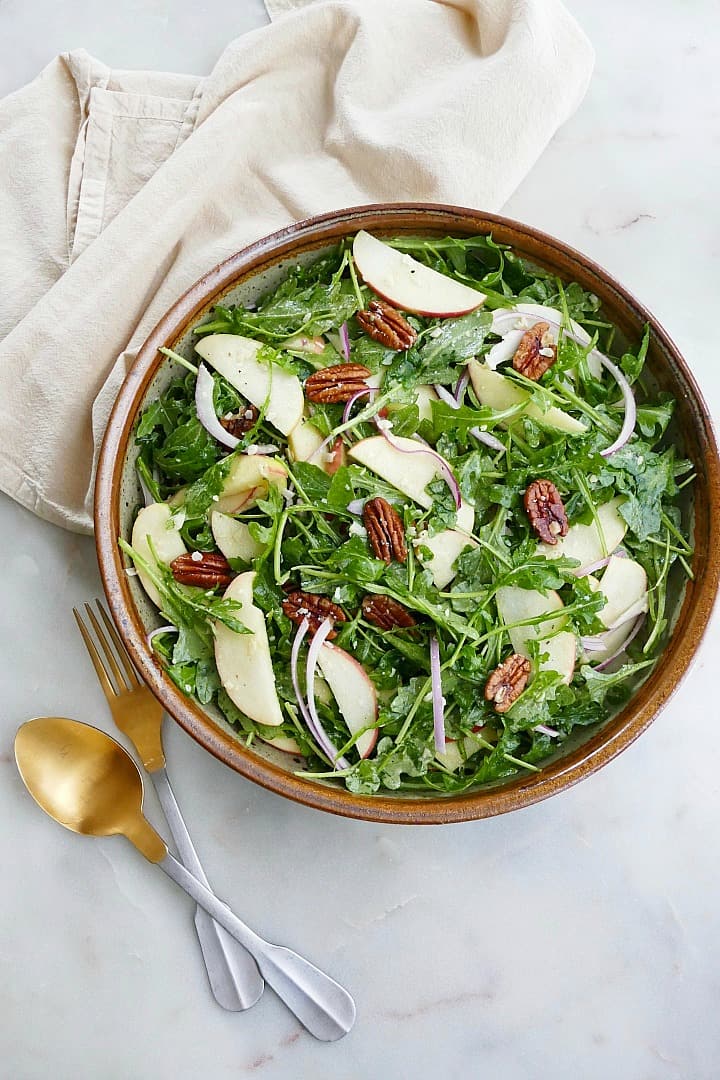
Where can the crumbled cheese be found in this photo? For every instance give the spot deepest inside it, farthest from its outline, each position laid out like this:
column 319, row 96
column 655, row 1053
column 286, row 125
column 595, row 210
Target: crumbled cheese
column 356, row 529
column 546, row 352
column 131, row 571
column 593, row 479
column 288, row 496
column 248, row 414
column 216, row 498
column 251, row 450
column 228, row 416
column 383, row 423
column 196, row 556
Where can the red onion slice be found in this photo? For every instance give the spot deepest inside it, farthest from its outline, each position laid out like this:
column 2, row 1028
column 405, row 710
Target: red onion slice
column 628, row 425
column 486, row 438
column 309, row 715
column 438, row 701
column 442, row 466
column 545, row 730
column 315, row 725
column 205, row 409
column 356, row 397
column 462, row 386
column 345, row 340
column 356, row 507
column 446, row 396
column 167, row 629
column 623, row 648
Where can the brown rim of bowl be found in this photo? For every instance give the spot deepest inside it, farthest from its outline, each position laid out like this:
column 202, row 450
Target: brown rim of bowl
column 606, row 743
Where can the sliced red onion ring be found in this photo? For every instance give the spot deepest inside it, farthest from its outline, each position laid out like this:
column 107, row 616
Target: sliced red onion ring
column 462, row 386
column 438, row 702
column 356, row 397
column 623, row 648
column 446, row 396
column 545, row 730
column 486, row 438
column 316, row 644
column 442, row 466
column 147, row 494
column 593, row 567
column 167, row 629
column 309, row 715
column 628, row 425
column 345, row 340
column 206, row 409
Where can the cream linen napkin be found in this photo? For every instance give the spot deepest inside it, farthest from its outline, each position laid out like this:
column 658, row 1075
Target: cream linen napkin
column 119, row 189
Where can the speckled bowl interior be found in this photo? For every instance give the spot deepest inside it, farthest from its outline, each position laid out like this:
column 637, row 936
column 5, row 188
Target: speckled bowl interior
column 247, row 276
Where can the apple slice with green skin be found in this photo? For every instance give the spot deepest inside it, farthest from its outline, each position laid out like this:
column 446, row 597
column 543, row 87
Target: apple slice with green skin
column 408, row 284
column 585, row 543
column 243, row 660
column 233, row 537
column 248, row 480
column 453, row 758
column 354, row 693
column 515, row 605
column 236, row 359
column 446, row 546
column 157, row 522
column 496, row 392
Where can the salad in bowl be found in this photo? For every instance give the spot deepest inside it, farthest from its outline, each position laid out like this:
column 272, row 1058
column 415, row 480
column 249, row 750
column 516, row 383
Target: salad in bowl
column 411, row 517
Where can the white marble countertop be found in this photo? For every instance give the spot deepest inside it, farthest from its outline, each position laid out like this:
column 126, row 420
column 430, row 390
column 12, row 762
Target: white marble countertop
column 577, row 938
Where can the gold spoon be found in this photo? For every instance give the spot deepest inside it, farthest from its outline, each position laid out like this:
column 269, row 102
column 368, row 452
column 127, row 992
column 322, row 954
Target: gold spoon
column 87, row 782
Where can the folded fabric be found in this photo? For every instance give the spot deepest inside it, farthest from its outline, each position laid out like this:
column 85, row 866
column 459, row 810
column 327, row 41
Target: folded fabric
column 119, row 189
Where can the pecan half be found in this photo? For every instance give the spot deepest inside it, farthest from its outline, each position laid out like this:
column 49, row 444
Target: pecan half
column 385, row 530
column 300, row 605
column 507, row 682
column 545, row 509
column 386, row 613
column 536, row 352
column 336, row 383
column 206, row 569
column 384, row 324
column 239, row 424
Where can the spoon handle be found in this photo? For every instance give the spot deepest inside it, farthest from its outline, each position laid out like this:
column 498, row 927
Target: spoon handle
column 234, row 978
column 321, row 1004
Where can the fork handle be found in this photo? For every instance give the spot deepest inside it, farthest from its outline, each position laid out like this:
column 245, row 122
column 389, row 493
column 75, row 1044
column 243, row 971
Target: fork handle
column 234, row 978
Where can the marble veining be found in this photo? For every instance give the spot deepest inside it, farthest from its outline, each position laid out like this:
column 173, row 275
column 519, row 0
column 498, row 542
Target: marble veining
column 577, row 938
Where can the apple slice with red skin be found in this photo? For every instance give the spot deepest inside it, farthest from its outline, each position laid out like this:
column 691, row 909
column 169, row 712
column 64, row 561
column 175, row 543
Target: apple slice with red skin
column 408, row 284
column 354, row 693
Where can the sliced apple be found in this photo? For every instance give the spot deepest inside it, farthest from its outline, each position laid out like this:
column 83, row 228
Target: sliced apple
column 446, row 546
column 283, row 742
column 624, row 585
column 236, row 359
column 516, row 605
column 424, row 397
column 584, row 542
column 453, row 757
column 401, row 465
column 354, row 693
column 304, row 440
column 407, row 283
column 243, row 660
column 248, row 480
column 499, row 393
column 233, row 537
column 157, row 522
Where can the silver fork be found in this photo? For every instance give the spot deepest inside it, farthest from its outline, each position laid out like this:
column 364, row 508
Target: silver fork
column 234, row 978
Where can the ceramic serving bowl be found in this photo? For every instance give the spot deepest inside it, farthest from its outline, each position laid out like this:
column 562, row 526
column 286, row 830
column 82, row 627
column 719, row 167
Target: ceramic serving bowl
column 247, row 275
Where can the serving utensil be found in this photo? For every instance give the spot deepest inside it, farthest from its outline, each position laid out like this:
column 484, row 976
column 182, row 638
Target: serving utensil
column 234, row 978
column 87, row 782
